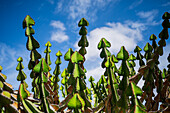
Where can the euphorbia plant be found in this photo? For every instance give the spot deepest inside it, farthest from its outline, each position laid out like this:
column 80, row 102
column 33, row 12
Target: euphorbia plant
column 115, row 92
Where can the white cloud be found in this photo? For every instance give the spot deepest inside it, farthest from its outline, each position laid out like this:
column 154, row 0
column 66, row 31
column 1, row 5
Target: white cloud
column 166, row 4
column 51, row 1
column 95, row 73
column 149, row 15
column 82, row 8
column 57, row 24
column 59, row 36
column 8, row 61
column 79, row 7
column 7, row 54
column 117, row 34
column 59, row 6
column 135, row 4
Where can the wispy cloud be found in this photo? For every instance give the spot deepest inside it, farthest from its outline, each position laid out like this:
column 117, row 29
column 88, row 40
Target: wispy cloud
column 58, row 25
column 149, row 17
column 58, row 34
column 95, row 73
column 166, row 4
column 135, row 4
column 82, row 8
column 51, row 1
column 7, row 54
column 8, row 61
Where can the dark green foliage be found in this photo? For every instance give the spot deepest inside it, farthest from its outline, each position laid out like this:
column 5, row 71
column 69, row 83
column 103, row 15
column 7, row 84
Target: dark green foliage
column 21, row 76
column 48, row 51
column 6, row 95
column 115, row 92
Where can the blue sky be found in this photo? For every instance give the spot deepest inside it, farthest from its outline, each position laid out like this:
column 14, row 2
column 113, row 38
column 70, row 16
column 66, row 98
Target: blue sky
column 122, row 22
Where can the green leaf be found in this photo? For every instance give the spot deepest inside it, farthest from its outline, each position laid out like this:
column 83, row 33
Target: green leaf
column 136, row 90
column 57, row 70
column 71, row 80
column 124, row 84
column 82, row 51
column 38, row 67
column 6, row 93
column 35, row 55
column 137, row 49
column 80, row 86
column 114, row 59
column 76, row 57
column 20, row 59
column 64, row 81
column 2, row 77
column 132, row 57
column 41, row 66
column 32, row 107
column 67, row 56
column 26, row 85
column 123, row 54
column 21, row 76
column 58, row 61
column 29, row 31
column 103, row 43
column 105, row 53
column 1, row 68
column 78, row 72
column 64, row 73
column 58, row 54
column 5, row 98
column 138, row 110
column 44, row 90
column 164, row 34
column 32, row 43
column 28, row 21
column 45, row 66
column 35, row 43
column 83, row 42
column 1, row 85
column 47, row 50
column 23, row 92
column 44, row 78
column 152, row 37
column 123, row 101
column 83, row 22
column 70, row 67
column 109, row 63
column 75, row 102
column 19, row 66
column 83, row 31
column 31, row 65
column 91, row 79
column 162, row 42
column 61, row 88
column 166, row 15
column 8, row 87
column 148, row 48
column 164, row 73
column 48, row 44
column 160, row 50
